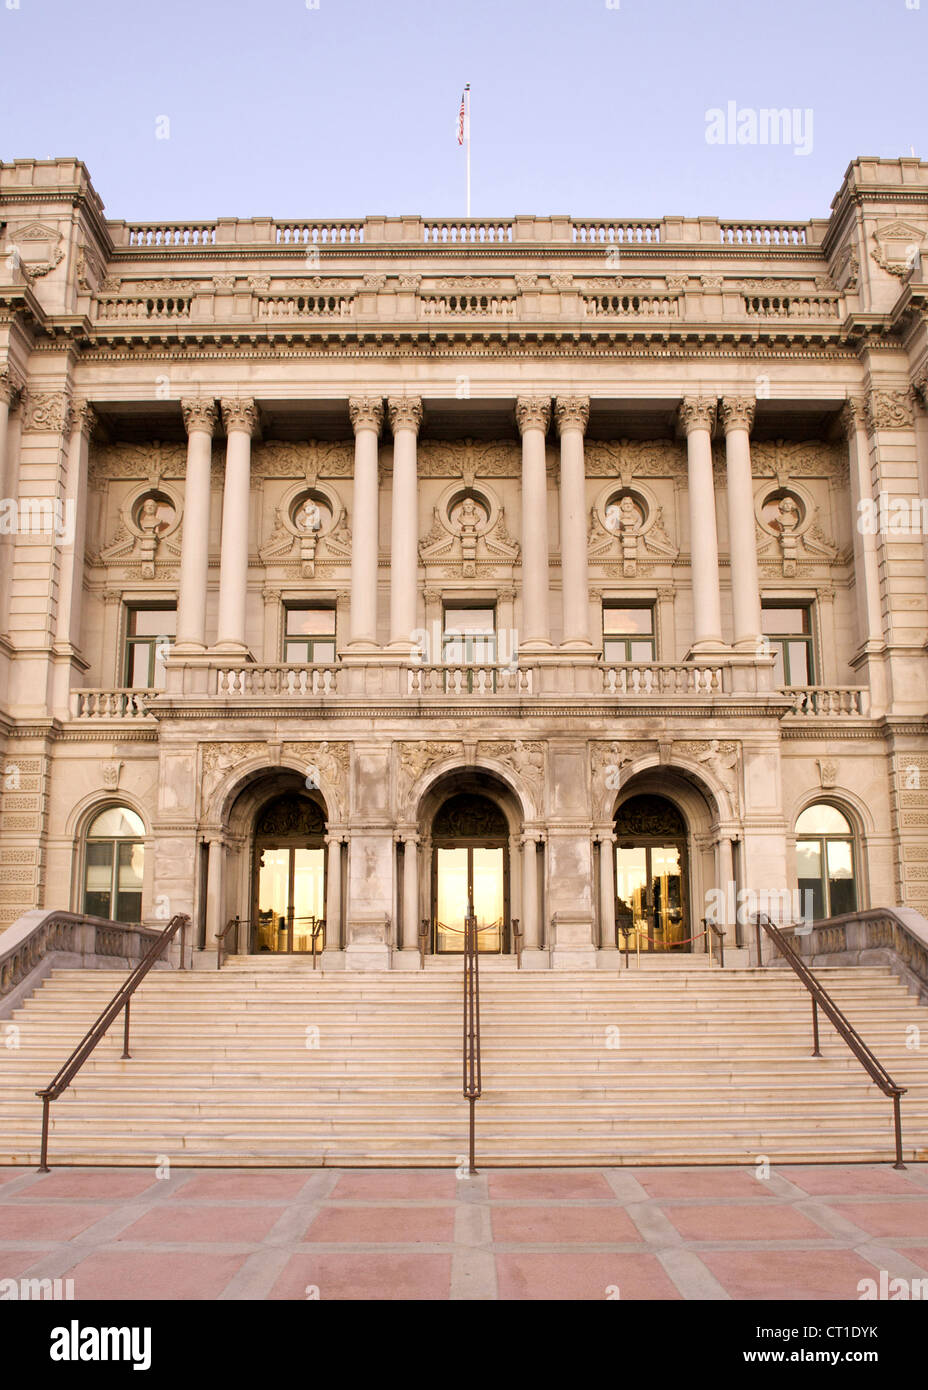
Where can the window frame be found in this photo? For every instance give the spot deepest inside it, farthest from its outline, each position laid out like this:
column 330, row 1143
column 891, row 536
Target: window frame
column 782, row 640
column 650, row 605
column 132, row 640
column 114, row 842
column 823, row 839
column 309, row 639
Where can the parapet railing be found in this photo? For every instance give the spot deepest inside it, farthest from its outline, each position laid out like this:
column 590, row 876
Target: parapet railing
column 97, row 1031
column 37, row 935
column 821, row 999
column 896, row 936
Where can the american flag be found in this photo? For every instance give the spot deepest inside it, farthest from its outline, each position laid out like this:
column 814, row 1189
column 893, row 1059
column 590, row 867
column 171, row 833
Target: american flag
column 461, row 119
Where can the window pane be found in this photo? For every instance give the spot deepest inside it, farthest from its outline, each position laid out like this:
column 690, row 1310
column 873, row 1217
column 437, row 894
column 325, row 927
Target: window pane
column 785, row 619
column 642, row 651
column 799, row 673
column 117, row 822
column 296, row 653
column 822, row 819
column 152, row 622
column 139, row 657
column 311, row 621
column 842, row 890
column 615, row 650
column 779, row 677
column 130, row 868
column 629, row 620
column 98, row 880
column 324, row 651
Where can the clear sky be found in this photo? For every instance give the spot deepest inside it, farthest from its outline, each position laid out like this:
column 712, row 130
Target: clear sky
column 316, row 108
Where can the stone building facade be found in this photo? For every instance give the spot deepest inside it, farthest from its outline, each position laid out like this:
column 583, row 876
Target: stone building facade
column 353, row 570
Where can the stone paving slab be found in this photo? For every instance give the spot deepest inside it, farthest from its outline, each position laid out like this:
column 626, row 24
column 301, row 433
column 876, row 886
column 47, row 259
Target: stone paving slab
column 803, row 1232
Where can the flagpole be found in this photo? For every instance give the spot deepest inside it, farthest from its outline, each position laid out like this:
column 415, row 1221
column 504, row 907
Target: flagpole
column 467, row 139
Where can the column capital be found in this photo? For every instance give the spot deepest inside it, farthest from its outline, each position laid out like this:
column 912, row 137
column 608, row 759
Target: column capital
column 889, row 410
column 854, row 415
column 83, row 417
column 697, row 413
column 11, row 385
column 737, row 413
column 920, row 390
column 405, row 413
column 240, row 415
column 572, row 412
column 533, row 413
column 199, row 413
column 366, row 413
column 49, row 411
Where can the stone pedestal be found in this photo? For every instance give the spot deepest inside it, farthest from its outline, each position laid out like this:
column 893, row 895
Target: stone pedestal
column 369, row 946
column 572, row 941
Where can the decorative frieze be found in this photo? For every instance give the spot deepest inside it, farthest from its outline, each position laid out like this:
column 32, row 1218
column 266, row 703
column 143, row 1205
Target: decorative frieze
column 889, row 410
column 48, row 411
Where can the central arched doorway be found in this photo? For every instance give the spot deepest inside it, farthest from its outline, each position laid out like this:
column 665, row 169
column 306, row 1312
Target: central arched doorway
column 288, row 877
column 470, row 865
column 651, row 875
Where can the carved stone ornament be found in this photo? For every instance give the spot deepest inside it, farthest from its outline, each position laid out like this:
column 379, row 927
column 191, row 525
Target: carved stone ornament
column 327, row 766
column 219, row 759
column 199, row 414
column 631, row 458
column 468, row 528
column 784, row 459
column 525, row 759
column 36, row 248
column 405, row 413
column 11, row 385
column 628, row 526
column 897, row 247
column 889, row 410
column 788, row 520
column 469, row 816
column 291, row 816
column 366, row 412
column 719, row 758
column 240, row 415
column 737, row 413
column 697, row 413
column 533, row 413
column 827, row 771
column 572, row 412
column 49, row 411
column 649, row 816
column 147, row 528
column 309, row 459
column 469, row 459
column 414, row 758
column 109, row 775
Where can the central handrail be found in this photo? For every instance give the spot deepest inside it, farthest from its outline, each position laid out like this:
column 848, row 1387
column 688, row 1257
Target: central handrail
column 821, row 999
column 316, row 928
column 97, row 1031
column 472, row 1071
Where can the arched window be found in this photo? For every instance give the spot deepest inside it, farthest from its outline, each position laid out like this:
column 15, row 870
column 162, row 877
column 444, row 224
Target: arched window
column 113, row 865
column 825, row 860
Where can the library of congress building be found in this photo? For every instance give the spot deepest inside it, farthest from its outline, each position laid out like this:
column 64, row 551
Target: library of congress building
column 356, row 571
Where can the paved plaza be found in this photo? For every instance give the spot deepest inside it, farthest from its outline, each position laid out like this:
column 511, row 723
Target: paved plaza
column 582, row 1234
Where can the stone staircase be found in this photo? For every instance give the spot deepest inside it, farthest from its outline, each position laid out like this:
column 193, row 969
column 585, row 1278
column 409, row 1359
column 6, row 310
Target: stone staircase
column 267, row 1063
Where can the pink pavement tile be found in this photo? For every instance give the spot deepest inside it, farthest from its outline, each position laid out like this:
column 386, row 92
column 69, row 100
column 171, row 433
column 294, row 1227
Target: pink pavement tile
column 701, row 1182
column 370, row 1276
column 57, row 1222
column 394, row 1185
column 8, row 1174
column 918, row 1254
column 852, row 1180
column 193, row 1225
column 98, row 1182
column 749, row 1221
column 570, row 1275
column 14, row 1262
column 887, row 1218
column 563, row 1225
column 561, row 1186
column 158, row 1274
column 788, row 1274
column 381, row 1225
column 254, row 1186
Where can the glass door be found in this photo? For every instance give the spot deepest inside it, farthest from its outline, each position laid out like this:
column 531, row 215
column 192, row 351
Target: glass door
column 650, row 882
column 289, row 898
column 469, row 874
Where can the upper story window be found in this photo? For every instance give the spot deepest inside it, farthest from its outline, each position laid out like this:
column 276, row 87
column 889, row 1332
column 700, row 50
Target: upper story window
column 788, row 629
column 149, row 636
column 628, row 632
column 309, row 634
column 469, row 636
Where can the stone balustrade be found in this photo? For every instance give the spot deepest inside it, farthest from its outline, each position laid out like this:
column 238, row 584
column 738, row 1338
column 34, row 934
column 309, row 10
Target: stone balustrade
column 793, row 306
column 467, row 229
column 337, row 233
column 468, row 680
column 661, row 306
column 280, row 680
column 110, row 704
column 40, row 939
column 836, row 701
column 479, row 305
column 660, row 678
column 160, row 307
column 612, row 233
column 164, row 234
column 764, row 233
column 277, row 308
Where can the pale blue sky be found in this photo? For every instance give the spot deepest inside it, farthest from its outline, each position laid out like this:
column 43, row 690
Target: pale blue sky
column 348, row 109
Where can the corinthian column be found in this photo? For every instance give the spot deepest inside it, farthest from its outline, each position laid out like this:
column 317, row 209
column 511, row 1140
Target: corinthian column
column 533, row 415
column 200, row 419
column 73, row 525
column 737, row 414
column 366, row 414
column 572, row 414
column 241, row 420
column 697, row 416
column 405, row 419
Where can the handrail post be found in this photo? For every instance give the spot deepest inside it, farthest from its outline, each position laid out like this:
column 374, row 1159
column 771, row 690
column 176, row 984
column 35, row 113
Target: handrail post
column 816, row 1049
column 183, row 945
column 472, row 1078
column 125, row 1034
column 897, row 1124
column 43, row 1161
column 423, row 939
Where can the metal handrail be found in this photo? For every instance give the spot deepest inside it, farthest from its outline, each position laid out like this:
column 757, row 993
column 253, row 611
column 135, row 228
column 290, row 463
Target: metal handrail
column 97, row 1031
column 713, row 929
column 821, row 999
column 424, row 933
column 316, row 930
column 518, row 938
column 472, row 1069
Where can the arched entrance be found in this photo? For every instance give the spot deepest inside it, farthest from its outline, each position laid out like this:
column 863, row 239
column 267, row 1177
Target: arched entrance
column 288, row 875
column 651, row 875
column 470, row 865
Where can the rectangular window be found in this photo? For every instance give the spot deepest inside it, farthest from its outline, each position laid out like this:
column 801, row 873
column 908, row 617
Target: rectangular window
column 149, row 637
column 628, row 632
column 469, row 636
column 309, row 635
column 788, row 629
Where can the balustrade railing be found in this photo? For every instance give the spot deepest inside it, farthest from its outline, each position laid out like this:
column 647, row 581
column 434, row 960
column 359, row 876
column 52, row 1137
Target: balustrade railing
column 294, row 306
column 470, row 305
column 821, row 701
column 336, row 233
column 37, row 934
column 662, row 306
column 154, row 307
column 791, row 306
column 466, row 230
column 763, row 233
column 658, row 678
column 171, row 234
column 468, row 680
column 111, row 704
column 286, row 681
column 611, row 233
